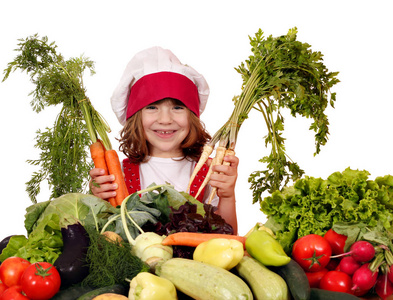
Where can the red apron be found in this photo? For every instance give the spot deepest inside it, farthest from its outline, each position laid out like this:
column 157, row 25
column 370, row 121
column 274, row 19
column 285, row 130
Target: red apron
column 131, row 172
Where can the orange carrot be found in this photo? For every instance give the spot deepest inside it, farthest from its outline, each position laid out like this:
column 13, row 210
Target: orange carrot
column 114, row 168
column 193, row 239
column 97, row 152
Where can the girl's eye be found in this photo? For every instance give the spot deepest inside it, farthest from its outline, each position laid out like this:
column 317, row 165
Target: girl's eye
column 178, row 107
column 150, row 107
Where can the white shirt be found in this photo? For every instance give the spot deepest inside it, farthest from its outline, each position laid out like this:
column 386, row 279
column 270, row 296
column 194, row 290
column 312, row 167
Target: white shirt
column 177, row 173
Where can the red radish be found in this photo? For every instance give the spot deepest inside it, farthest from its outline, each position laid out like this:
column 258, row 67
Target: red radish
column 359, row 293
column 362, row 251
column 349, row 265
column 383, row 287
column 363, row 278
column 390, row 273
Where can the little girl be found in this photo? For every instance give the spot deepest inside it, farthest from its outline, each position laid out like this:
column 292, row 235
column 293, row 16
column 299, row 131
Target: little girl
column 159, row 101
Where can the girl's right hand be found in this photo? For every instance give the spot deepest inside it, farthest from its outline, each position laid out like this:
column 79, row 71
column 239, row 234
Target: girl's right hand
column 101, row 185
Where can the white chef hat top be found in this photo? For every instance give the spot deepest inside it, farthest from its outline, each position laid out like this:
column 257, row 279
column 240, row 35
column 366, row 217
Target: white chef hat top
column 155, row 74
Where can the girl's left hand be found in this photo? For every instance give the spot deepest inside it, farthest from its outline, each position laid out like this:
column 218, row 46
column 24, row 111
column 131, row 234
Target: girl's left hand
column 225, row 179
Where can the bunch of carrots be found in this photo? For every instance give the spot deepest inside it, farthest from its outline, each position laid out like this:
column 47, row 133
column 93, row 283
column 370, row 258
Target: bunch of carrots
column 101, row 151
column 59, row 82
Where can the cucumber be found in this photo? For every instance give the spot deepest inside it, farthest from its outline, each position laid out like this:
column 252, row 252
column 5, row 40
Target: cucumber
column 264, row 283
column 296, row 279
column 115, row 289
column 202, row 281
column 319, row 294
column 72, row 292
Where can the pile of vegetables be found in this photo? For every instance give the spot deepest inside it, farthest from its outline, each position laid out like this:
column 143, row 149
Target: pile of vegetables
column 313, row 205
column 74, row 233
column 334, row 262
column 23, row 281
column 323, row 239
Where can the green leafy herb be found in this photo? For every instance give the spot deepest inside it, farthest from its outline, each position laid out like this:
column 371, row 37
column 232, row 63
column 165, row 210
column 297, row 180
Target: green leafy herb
column 281, row 73
column 110, row 262
column 314, row 205
column 64, row 159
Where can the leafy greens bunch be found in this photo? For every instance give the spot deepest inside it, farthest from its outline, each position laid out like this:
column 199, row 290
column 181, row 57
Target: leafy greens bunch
column 64, row 159
column 282, row 72
column 314, row 205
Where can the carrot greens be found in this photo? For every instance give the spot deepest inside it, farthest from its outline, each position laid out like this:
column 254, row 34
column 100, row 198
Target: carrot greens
column 64, row 159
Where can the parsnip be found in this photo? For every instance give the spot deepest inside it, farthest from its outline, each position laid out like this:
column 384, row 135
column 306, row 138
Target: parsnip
column 225, row 163
column 207, row 150
column 217, row 160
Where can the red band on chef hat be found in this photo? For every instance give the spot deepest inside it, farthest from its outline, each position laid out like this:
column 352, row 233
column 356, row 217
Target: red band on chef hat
column 161, row 85
column 155, row 74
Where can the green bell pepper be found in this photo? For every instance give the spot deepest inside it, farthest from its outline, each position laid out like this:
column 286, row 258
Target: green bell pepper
column 262, row 246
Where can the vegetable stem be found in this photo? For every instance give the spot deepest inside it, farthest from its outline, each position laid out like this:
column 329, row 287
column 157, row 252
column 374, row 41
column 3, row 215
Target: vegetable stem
column 124, row 214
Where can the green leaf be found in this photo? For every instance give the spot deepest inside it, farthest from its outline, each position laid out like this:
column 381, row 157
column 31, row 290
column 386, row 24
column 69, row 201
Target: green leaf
column 44, row 243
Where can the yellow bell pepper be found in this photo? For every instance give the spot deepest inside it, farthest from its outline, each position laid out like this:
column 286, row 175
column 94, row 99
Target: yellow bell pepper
column 220, row 252
column 147, row 286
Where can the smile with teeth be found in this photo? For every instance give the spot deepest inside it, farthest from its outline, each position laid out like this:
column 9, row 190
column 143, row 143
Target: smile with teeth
column 164, row 131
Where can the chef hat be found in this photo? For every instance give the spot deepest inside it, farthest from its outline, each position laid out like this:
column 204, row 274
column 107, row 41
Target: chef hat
column 154, row 74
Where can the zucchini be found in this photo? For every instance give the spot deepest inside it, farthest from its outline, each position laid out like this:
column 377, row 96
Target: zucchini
column 319, row 294
column 296, row 279
column 113, row 289
column 72, row 292
column 202, row 281
column 110, row 296
column 264, row 283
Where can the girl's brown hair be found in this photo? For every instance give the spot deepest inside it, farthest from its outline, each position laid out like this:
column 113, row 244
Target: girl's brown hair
column 134, row 145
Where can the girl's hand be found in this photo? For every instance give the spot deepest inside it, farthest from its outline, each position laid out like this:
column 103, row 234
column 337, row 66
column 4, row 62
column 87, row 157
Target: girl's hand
column 101, row 185
column 225, row 180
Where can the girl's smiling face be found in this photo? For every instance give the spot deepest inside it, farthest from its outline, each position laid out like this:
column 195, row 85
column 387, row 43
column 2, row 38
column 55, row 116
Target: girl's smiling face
column 166, row 124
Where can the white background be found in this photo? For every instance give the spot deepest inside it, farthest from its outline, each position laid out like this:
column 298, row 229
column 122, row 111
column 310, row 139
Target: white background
column 212, row 36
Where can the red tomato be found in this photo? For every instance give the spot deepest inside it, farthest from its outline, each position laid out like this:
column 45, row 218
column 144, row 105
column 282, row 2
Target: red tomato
column 336, row 281
column 13, row 293
column 336, row 241
column 11, row 270
column 333, row 264
column 315, row 277
column 312, row 252
column 40, row 281
column 3, row 287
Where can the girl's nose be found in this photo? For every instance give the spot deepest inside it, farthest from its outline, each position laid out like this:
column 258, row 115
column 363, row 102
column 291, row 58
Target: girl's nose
column 164, row 117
